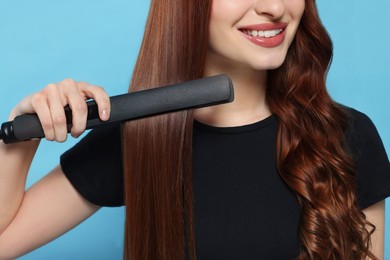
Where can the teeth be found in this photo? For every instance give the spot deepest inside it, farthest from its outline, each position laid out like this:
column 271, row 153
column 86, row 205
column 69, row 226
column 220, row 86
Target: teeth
column 266, row 34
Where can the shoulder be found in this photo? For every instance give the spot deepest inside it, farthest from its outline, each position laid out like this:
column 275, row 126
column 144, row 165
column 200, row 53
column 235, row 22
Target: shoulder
column 94, row 166
column 372, row 166
column 360, row 131
column 357, row 121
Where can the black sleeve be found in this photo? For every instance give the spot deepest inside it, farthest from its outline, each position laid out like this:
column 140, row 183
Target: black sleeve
column 371, row 162
column 94, row 166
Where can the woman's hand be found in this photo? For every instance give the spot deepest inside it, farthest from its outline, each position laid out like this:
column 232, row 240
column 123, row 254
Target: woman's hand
column 49, row 105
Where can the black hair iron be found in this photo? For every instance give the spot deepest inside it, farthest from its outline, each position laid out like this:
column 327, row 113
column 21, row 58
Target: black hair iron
column 187, row 95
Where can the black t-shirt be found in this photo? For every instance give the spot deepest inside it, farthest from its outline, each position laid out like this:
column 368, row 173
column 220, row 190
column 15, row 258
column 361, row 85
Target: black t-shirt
column 243, row 209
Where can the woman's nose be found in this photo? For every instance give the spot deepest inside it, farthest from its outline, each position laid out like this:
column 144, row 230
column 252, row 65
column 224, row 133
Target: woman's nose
column 272, row 8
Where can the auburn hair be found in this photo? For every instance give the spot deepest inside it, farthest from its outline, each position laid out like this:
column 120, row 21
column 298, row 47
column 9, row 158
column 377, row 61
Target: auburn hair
column 311, row 156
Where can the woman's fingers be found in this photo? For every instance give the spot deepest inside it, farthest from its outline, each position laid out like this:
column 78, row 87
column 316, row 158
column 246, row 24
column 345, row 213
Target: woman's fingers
column 102, row 100
column 39, row 105
column 76, row 100
column 80, row 109
column 56, row 102
column 49, row 104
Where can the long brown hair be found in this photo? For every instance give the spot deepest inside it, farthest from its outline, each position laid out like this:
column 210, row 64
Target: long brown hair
column 310, row 154
column 157, row 151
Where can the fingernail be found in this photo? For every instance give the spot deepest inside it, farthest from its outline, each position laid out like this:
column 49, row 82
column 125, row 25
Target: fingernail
column 104, row 115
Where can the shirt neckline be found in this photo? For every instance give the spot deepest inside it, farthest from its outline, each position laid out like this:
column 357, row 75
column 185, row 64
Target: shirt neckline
column 236, row 129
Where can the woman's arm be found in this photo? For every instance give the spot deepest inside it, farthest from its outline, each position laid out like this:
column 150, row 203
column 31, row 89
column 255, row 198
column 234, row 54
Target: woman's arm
column 375, row 214
column 49, row 208
column 15, row 161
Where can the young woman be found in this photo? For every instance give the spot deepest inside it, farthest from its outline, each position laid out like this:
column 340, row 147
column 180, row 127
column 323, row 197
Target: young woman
column 283, row 172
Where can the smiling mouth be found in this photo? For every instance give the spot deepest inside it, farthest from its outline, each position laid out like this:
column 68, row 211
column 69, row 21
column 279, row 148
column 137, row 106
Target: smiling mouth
column 262, row 33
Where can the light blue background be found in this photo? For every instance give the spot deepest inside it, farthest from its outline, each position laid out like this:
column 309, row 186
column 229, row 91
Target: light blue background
column 97, row 41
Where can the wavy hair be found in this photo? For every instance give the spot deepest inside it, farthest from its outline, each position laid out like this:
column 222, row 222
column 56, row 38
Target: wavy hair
column 310, row 154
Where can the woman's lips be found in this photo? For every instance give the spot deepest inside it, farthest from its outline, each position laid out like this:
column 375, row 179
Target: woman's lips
column 265, row 35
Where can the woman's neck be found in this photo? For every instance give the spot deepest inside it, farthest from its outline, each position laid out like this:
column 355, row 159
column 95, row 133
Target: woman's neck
column 249, row 105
